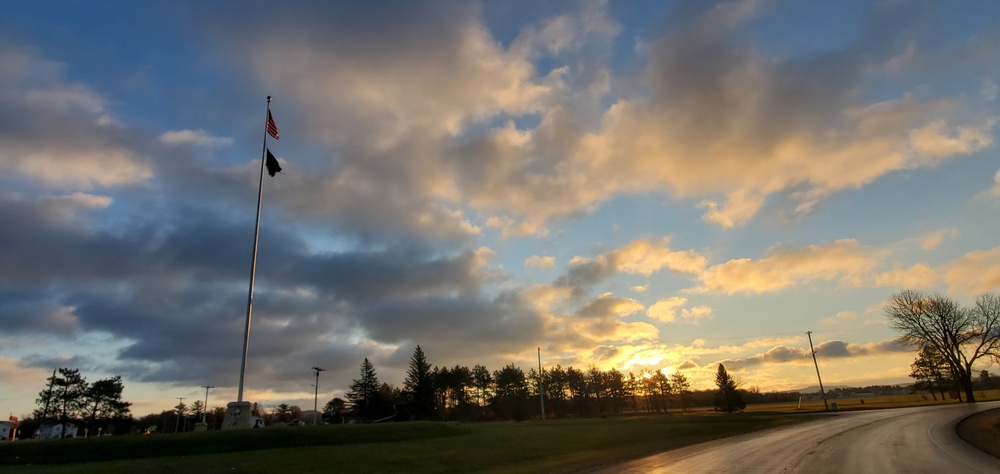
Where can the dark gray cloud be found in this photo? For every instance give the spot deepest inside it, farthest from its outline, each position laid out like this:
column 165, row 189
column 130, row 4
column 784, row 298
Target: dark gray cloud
column 826, row 349
column 31, row 311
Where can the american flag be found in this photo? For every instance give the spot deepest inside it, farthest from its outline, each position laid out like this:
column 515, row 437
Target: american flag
column 272, row 128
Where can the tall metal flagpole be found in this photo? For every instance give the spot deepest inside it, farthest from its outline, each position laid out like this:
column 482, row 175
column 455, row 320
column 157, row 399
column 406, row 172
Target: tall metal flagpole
column 253, row 260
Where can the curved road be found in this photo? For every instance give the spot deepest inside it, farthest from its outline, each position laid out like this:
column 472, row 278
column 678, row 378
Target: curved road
column 911, row 440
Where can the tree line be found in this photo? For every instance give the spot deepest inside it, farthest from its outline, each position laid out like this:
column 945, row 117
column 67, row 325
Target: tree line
column 510, row 393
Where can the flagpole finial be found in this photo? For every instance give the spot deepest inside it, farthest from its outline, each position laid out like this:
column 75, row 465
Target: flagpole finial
column 268, row 98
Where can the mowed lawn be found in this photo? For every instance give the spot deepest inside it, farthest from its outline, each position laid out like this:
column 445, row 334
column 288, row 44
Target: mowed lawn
column 531, row 446
column 563, row 445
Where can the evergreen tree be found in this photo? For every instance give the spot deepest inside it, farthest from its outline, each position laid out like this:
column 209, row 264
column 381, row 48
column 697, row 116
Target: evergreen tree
column 928, row 370
column 511, row 398
column 102, row 403
column 728, row 398
column 482, row 380
column 197, row 410
column 363, row 397
column 555, row 390
column 68, row 397
column 419, row 386
column 46, row 400
column 283, row 413
column 181, row 411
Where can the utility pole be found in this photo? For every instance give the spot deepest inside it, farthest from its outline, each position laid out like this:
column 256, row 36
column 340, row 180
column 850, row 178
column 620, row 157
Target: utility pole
column 205, row 411
column 541, row 383
column 180, row 413
column 48, row 396
column 813, row 351
column 316, row 395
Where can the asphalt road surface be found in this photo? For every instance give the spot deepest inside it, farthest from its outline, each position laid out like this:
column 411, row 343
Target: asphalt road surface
column 902, row 440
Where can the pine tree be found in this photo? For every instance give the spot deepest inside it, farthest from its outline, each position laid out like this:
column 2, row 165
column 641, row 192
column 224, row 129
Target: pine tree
column 364, row 393
column 928, row 370
column 419, row 386
column 71, row 388
column 511, row 395
column 102, row 402
column 728, row 398
column 482, row 380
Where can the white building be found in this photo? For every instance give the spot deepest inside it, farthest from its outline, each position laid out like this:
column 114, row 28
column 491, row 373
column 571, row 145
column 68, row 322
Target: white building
column 55, row 430
column 6, row 430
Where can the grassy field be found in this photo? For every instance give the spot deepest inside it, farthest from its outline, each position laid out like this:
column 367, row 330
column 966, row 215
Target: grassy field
column 533, row 446
column 869, row 403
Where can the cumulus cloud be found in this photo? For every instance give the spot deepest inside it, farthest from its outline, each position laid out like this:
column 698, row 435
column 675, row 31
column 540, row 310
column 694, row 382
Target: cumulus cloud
column 995, row 190
column 975, row 272
column 665, row 310
column 194, row 137
column 782, row 268
column 932, row 240
column 842, row 317
column 699, row 133
column 64, row 135
column 421, row 130
column 739, row 207
column 539, row 261
column 696, row 313
column 642, row 257
column 919, row 276
column 694, row 128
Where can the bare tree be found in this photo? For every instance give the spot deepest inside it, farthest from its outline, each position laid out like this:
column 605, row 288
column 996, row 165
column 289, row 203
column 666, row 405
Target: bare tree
column 681, row 387
column 961, row 335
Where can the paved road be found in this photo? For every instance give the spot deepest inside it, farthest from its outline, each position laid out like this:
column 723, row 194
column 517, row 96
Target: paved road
column 903, row 440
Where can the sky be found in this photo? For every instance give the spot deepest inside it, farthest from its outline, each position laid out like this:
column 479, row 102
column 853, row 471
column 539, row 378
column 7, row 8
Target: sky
column 639, row 185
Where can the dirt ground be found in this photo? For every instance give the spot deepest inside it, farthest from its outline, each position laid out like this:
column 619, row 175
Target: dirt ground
column 982, row 430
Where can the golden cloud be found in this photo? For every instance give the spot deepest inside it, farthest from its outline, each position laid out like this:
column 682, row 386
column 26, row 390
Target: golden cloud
column 974, row 272
column 842, row 259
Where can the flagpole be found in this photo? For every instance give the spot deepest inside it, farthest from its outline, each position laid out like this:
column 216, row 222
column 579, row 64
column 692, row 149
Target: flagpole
column 253, row 260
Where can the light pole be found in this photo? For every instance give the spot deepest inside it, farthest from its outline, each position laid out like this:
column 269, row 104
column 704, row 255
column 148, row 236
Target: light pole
column 316, row 394
column 205, row 409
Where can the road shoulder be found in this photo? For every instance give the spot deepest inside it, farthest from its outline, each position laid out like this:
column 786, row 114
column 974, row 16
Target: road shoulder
column 982, row 430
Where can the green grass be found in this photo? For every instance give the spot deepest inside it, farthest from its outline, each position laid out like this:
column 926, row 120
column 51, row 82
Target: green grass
column 551, row 446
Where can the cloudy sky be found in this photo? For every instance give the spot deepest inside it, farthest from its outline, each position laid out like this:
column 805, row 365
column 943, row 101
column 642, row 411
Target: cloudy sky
column 637, row 185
